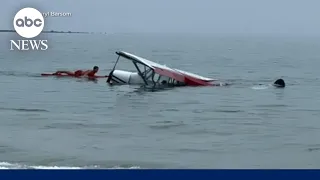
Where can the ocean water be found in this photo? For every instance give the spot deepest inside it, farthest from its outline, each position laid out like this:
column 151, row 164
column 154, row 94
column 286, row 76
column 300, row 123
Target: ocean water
column 48, row 122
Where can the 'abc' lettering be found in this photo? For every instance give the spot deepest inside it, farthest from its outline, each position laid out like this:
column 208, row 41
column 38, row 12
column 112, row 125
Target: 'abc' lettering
column 28, row 22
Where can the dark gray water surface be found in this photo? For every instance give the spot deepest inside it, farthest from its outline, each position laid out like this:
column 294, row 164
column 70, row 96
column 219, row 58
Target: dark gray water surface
column 50, row 122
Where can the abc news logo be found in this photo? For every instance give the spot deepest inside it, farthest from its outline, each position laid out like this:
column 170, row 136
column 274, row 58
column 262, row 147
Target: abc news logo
column 28, row 23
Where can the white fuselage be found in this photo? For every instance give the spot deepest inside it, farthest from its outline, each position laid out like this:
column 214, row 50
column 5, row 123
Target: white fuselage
column 126, row 77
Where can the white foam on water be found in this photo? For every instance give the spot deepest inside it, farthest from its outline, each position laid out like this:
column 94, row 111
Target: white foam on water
column 7, row 165
column 54, row 167
column 4, row 164
column 133, row 167
column 259, row 87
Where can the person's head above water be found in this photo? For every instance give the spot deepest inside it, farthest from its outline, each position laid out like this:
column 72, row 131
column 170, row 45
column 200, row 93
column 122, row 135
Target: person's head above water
column 279, row 83
column 96, row 68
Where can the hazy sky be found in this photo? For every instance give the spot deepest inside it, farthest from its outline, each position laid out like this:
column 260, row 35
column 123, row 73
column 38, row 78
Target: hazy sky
column 201, row 16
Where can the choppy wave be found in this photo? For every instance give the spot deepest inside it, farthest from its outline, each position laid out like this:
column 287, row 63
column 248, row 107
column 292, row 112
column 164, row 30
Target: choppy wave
column 7, row 165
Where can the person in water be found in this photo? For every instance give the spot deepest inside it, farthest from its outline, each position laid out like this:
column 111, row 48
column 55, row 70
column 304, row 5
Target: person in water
column 279, row 83
column 79, row 73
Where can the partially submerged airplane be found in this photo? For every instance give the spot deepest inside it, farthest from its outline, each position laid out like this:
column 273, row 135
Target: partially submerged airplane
column 153, row 74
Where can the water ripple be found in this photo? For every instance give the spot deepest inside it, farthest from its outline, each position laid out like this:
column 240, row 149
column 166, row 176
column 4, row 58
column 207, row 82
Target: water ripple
column 24, row 109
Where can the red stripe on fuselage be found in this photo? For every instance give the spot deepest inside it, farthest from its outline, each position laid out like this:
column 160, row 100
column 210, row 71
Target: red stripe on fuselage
column 191, row 81
column 168, row 73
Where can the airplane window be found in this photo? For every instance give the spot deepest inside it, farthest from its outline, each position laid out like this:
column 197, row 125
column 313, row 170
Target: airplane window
column 164, row 78
column 148, row 73
column 156, row 77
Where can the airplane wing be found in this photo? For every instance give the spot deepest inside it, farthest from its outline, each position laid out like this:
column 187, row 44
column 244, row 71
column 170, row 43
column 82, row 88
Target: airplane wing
column 178, row 75
column 142, row 61
column 158, row 68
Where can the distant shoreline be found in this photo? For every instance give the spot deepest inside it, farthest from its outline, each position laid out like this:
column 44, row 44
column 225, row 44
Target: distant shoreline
column 52, row 31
